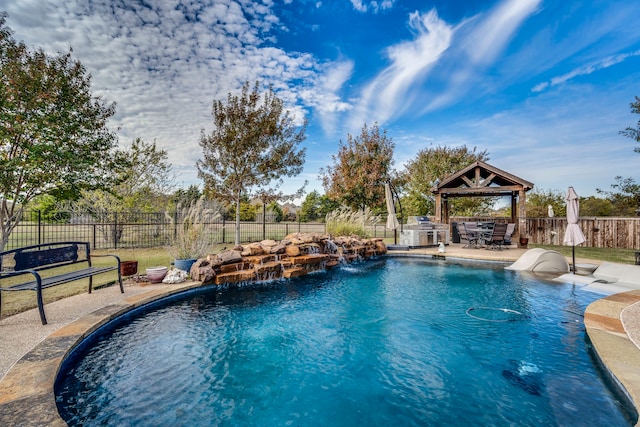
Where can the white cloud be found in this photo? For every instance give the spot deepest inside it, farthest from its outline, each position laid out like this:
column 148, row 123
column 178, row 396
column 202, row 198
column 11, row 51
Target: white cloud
column 326, row 102
column 478, row 43
column 450, row 58
column 488, row 39
column 389, row 93
column 373, row 6
column 585, row 70
column 164, row 63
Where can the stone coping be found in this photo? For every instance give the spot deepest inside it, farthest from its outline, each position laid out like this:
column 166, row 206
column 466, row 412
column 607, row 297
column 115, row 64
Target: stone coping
column 27, row 390
column 27, row 397
column 613, row 325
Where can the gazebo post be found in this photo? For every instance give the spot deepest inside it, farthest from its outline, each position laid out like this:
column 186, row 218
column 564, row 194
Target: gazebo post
column 522, row 214
column 445, row 210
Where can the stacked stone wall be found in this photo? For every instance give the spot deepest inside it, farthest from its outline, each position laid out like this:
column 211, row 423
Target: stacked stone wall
column 296, row 255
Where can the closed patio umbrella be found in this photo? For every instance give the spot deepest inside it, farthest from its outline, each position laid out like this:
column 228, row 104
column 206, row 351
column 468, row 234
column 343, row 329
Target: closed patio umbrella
column 392, row 221
column 573, row 235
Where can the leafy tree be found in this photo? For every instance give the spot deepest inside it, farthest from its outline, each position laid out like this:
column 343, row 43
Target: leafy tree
column 254, row 145
column 538, row 201
column 634, row 133
column 361, row 167
column 48, row 206
column 144, row 180
column 316, row 206
column 432, row 165
column 595, row 206
column 247, row 211
column 625, row 196
column 275, row 208
column 186, row 197
column 53, row 134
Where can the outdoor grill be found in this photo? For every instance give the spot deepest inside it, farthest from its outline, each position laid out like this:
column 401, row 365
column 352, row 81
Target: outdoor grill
column 421, row 231
column 419, row 223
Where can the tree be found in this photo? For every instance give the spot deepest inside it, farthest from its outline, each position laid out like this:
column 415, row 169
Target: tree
column 275, row 208
column 432, row 165
column 145, row 179
column 625, row 196
column 186, row 197
column 361, row 167
column 48, row 208
column 254, row 145
column 634, row 133
column 53, row 134
column 595, row 206
column 538, row 201
column 316, row 207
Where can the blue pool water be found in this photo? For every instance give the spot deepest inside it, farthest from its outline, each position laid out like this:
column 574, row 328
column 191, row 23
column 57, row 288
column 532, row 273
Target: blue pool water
column 402, row 342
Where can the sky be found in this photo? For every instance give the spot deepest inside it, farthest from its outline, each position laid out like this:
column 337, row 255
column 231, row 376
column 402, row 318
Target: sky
column 543, row 86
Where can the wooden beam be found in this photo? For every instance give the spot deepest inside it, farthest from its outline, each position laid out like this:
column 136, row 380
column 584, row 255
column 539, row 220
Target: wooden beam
column 438, row 207
column 505, row 190
column 488, row 180
column 470, row 183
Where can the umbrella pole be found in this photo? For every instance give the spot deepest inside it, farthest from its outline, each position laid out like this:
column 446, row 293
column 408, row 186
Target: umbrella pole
column 573, row 255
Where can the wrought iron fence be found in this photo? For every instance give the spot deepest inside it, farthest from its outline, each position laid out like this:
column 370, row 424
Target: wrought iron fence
column 140, row 230
column 118, row 230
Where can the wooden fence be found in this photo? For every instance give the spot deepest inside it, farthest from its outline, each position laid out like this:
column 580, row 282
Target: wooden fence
column 609, row 232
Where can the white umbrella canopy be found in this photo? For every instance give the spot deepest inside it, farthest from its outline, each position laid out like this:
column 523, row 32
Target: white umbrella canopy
column 573, row 235
column 392, row 220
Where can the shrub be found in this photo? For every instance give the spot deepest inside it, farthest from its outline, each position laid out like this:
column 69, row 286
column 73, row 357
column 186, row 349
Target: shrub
column 191, row 237
column 346, row 222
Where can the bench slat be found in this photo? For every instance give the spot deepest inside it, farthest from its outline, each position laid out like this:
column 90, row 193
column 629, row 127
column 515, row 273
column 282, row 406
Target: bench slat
column 60, row 279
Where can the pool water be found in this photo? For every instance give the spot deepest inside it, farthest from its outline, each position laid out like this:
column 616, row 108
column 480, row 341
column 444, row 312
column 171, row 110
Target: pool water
column 396, row 341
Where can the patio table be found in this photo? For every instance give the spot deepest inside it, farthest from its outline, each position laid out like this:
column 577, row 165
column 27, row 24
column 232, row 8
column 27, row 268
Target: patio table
column 485, row 231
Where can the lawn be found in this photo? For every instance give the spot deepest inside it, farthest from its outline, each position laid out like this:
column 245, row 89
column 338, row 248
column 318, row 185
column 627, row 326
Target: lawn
column 621, row 256
column 16, row 302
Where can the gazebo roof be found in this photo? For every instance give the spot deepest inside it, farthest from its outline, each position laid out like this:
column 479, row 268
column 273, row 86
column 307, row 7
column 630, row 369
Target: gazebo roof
column 481, row 179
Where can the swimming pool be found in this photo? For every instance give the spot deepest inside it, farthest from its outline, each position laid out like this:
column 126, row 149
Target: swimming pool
column 389, row 342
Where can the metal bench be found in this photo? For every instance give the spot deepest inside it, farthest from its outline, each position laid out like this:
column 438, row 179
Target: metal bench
column 21, row 268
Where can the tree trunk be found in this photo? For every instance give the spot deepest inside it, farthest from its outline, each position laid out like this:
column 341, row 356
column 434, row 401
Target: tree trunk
column 237, row 221
column 9, row 219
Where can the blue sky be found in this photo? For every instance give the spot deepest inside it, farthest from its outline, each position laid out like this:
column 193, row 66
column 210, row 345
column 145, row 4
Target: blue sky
column 543, row 86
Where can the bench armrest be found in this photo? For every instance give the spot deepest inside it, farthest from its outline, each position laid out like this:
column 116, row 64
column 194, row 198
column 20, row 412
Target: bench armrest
column 105, row 255
column 7, row 274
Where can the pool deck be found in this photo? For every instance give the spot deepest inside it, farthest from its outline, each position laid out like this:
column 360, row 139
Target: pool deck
column 31, row 354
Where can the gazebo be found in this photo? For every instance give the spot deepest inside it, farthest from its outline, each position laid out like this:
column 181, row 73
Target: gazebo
column 480, row 179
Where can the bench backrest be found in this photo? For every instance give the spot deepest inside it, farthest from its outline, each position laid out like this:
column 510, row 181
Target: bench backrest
column 39, row 258
column 46, row 255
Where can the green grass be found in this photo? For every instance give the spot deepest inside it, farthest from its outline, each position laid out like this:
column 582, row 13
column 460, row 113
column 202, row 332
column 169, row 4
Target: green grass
column 621, row 256
column 19, row 301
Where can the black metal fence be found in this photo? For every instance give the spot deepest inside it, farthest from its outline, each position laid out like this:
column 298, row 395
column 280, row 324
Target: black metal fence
column 140, row 230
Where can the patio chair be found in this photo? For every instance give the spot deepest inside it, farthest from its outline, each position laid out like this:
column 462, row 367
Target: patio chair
column 511, row 227
column 470, row 236
column 497, row 237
